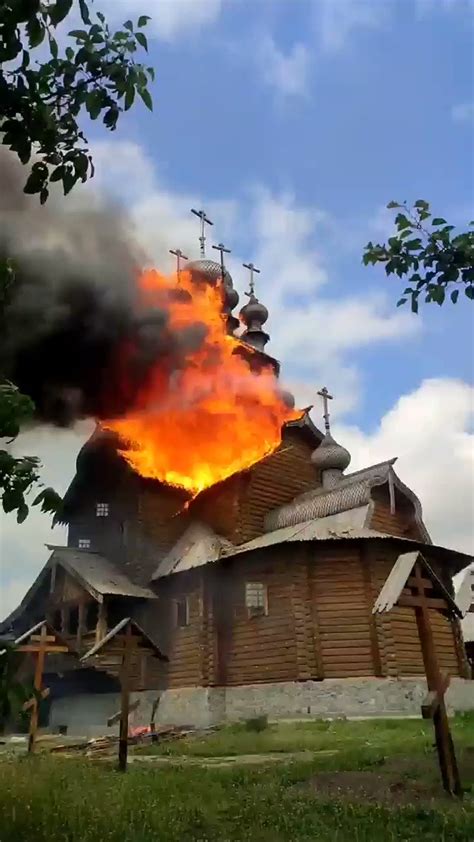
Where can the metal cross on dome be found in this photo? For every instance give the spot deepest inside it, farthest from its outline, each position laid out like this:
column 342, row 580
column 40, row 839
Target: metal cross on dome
column 251, row 269
column 204, row 220
column 222, row 249
column 324, row 394
column 179, row 257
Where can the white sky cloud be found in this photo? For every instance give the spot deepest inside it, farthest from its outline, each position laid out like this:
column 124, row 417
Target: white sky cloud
column 170, row 19
column 286, row 73
column 431, row 431
column 337, row 20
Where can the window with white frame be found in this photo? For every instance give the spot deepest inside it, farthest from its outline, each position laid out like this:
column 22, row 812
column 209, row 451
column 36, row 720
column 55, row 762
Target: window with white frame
column 102, row 509
column 84, row 543
column 182, row 612
column 256, row 599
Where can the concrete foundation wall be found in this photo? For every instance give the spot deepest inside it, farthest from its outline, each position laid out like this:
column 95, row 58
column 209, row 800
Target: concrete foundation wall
column 201, row 706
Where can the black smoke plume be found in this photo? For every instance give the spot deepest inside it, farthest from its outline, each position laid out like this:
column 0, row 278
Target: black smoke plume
column 73, row 334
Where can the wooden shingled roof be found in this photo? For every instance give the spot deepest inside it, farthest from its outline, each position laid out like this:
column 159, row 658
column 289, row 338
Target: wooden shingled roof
column 107, row 654
column 399, row 583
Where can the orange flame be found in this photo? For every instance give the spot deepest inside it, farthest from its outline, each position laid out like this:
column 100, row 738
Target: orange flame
column 194, row 427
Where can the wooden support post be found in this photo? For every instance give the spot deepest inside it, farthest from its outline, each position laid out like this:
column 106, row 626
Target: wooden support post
column 101, row 627
column 125, row 699
column 40, row 655
column 436, row 687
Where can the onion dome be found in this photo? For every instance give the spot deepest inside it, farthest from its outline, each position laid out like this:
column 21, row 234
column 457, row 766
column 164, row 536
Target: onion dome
column 209, row 272
column 331, row 459
column 254, row 315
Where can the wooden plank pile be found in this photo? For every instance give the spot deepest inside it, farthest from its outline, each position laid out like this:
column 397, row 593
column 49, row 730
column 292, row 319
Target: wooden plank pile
column 100, row 746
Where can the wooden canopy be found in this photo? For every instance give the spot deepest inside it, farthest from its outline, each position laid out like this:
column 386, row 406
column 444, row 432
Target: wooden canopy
column 108, row 653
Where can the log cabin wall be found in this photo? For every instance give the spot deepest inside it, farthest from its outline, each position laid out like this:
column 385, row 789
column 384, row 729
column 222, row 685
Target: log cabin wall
column 342, row 603
column 273, row 482
column 401, row 522
column 260, row 648
column 178, row 630
column 399, row 643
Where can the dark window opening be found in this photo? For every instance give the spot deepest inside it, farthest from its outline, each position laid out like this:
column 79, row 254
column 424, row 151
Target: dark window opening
column 182, row 612
column 92, row 616
column 57, row 620
column 73, row 621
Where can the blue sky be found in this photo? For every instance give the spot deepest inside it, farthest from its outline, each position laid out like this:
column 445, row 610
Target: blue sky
column 294, row 122
column 371, row 117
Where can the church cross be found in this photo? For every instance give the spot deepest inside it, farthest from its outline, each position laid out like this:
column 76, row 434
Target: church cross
column 251, row 269
column 204, row 220
column 179, row 257
column 41, row 644
column 222, row 249
column 324, row 394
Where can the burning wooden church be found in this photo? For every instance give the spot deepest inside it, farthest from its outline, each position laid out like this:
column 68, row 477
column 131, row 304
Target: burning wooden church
column 246, row 551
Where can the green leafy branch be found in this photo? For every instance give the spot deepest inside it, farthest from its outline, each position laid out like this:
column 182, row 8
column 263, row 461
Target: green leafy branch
column 40, row 104
column 425, row 251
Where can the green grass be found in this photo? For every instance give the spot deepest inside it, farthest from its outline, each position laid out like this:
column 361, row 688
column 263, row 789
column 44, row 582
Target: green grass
column 391, row 735
column 56, row 799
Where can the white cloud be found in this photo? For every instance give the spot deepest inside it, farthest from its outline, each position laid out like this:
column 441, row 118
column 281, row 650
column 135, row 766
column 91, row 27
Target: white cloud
column 463, row 112
column 430, row 430
column 337, row 20
column 170, row 19
column 287, row 74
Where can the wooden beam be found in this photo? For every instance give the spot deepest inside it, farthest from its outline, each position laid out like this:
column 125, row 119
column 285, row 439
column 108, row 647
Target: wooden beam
column 436, row 685
column 101, row 627
column 37, row 685
column 125, row 701
column 112, row 720
column 29, row 704
column 419, row 600
column 35, row 648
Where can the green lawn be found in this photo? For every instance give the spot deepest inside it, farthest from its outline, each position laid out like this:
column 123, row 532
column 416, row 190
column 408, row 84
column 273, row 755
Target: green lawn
column 393, row 791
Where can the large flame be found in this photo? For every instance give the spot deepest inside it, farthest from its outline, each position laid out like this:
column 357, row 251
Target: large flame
column 214, row 416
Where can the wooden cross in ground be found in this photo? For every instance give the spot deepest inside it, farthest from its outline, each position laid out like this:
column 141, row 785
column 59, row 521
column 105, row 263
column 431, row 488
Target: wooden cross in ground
column 117, row 654
column 413, row 583
column 41, row 640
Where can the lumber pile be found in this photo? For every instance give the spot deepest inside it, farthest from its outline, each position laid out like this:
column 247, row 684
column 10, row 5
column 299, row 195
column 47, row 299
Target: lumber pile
column 100, row 746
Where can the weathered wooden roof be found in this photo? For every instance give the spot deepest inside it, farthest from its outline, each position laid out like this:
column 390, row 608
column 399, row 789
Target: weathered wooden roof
column 95, row 573
column 34, row 630
column 397, row 580
column 353, row 491
column 197, row 546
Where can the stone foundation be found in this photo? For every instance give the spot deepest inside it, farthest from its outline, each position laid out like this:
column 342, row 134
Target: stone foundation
column 202, row 706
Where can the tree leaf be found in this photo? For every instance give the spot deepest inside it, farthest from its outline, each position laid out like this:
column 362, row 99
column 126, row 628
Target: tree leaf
column 59, row 11
column 22, row 512
column 143, row 20
column 392, row 205
column 78, row 34
column 84, row 11
column 145, row 95
column 438, row 220
column 36, row 32
column 129, row 96
column 469, row 292
column 454, row 295
column 128, row 25
column 141, row 38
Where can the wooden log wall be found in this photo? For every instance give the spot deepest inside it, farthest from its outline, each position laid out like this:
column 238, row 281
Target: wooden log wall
column 399, row 644
column 401, row 522
column 262, row 648
column 343, row 611
column 274, row 482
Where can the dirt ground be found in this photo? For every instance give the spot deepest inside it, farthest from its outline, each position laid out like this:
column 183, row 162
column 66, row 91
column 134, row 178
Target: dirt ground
column 398, row 782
